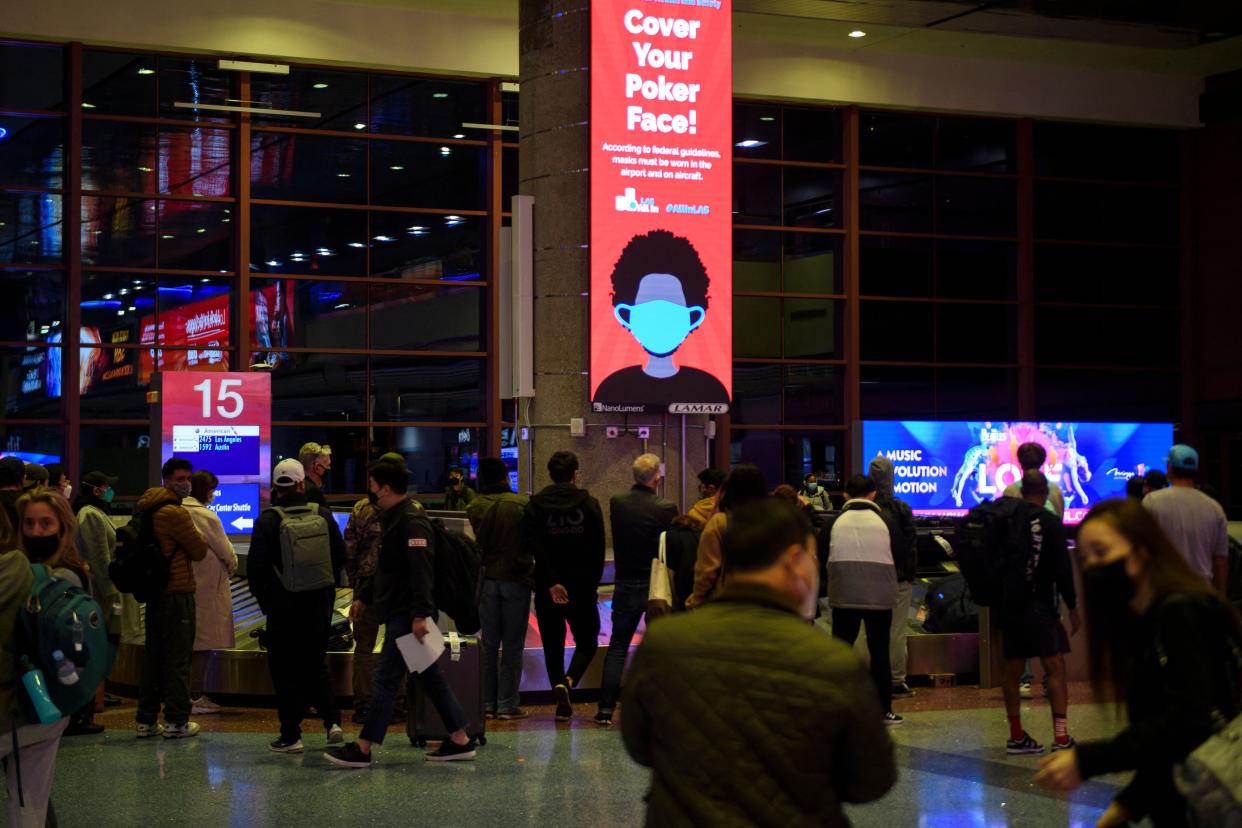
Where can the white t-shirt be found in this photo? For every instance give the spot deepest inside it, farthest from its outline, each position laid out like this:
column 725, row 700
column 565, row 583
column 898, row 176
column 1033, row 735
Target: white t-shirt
column 1194, row 522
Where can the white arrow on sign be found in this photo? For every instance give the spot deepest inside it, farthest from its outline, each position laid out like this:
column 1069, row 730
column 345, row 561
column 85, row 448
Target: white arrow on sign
column 243, row 523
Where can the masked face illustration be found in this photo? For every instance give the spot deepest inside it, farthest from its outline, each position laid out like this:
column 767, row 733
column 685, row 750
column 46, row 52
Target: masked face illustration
column 659, row 318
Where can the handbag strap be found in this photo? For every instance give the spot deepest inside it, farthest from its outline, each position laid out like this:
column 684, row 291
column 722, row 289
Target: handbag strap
column 663, row 539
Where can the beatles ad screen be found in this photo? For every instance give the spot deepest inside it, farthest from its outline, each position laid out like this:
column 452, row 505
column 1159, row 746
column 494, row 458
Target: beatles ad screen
column 945, row 468
column 661, row 195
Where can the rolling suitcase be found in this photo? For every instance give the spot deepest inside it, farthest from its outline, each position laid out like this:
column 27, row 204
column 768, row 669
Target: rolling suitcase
column 462, row 665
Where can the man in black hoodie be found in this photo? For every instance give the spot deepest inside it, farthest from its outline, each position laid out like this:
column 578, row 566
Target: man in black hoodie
column 563, row 530
column 905, row 558
column 297, row 622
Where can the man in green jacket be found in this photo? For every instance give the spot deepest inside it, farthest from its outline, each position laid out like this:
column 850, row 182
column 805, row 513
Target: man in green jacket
column 744, row 712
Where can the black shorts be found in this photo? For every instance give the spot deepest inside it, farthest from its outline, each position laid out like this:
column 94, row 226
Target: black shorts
column 1035, row 632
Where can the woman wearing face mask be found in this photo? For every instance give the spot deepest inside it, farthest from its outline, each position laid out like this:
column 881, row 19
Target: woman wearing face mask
column 37, row 743
column 816, row 494
column 213, row 602
column 1161, row 642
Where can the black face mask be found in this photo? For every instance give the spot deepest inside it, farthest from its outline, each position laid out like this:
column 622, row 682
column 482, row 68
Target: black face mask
column 1109, row 589
column 40, row 549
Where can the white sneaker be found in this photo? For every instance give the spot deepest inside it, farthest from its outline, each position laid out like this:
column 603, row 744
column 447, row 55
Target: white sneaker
column 146, row 731
column 184, row 731
column 336, row 736
column 1024, row 690
column 203, row 706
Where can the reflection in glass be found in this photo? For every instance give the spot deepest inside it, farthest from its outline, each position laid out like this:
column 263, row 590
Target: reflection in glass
column 756, row 130
column 756, row 393
column 194, row 81
column 113, row 384
column 128, row 157
column 317, row 314
column 429, row 453
column 414, row 246
column 812, row 134
column 320, row 387
column 812, row 262
column 41, row 444
column 33, row 153
column 896, row 202
column 443, row 176
column 812, row 197
column 756, row 194
column 348, row 479
column 33, row 306
column 812, row 328
column 308, row 168
column 756, row 260
column 196, row 235
column 756, row 326
column 340, row 98
column 30, row 381
column 30, row 228
column 428, row 388
column 117, row 83
column 121, row 451
column 426, row 106
column 427, row 317
column 32, row 77
column 308, row 240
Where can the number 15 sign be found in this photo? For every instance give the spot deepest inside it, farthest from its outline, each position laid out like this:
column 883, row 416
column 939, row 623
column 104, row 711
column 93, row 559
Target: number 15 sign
column 222, row 423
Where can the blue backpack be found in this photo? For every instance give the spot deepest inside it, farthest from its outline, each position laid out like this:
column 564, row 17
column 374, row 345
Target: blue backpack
column 61, row 631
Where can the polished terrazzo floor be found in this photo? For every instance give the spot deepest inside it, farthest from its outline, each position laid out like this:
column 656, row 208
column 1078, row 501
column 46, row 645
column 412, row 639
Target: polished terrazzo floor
column 953, row 772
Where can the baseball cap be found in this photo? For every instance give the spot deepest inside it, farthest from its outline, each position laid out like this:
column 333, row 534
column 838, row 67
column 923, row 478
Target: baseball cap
column 1183, row 458
column 35, row 474
column 288, row 472
column 12, row 470
column 98, row 479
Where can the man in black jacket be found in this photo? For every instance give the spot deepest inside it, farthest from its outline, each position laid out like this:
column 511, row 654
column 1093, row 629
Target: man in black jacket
column 905, row 558
column 298, row 623
column 638, row 518
column 563, row 530
column 402, row 591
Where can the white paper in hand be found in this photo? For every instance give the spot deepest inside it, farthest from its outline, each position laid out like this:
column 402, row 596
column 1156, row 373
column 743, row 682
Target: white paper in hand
column 421, row 655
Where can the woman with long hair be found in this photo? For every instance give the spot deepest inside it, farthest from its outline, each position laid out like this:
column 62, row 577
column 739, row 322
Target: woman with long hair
column 49, row 536
column 744, row 484
column 213, row 600
column 1162, row 644
column 37, row 743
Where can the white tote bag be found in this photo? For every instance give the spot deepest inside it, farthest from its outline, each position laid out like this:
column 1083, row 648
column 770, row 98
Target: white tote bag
column 660, row 599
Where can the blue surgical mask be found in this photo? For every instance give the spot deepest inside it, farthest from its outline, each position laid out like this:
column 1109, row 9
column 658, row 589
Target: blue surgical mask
column 812, row 486
column 659, row 326
column 107, row 495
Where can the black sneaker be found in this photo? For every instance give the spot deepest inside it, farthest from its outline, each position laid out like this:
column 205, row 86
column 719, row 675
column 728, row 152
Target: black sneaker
column 1070, row 745
column 449, row 751
column 902, row 691
column 603, row 719
column 892, row 719
column 1023, row 746
column 286, row 746
column 348, row 756
column 564, row 710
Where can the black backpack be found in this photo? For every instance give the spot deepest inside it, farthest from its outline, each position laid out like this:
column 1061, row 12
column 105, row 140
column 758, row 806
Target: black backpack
column 140, row 568
column 458, row 584
column 989, row 544
column 950, row 608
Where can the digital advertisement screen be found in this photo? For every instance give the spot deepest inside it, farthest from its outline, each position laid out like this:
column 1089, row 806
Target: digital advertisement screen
column 222, row 423
column 945, row 468
column 661, row 206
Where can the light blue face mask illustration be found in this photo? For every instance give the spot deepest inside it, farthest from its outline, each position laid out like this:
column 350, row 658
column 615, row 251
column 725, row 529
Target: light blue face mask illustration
column 659, row 318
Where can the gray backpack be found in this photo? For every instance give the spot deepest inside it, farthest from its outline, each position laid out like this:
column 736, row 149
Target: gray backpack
column 305, row 553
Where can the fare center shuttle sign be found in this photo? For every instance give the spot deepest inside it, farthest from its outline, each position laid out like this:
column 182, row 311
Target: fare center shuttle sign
column 661, row 196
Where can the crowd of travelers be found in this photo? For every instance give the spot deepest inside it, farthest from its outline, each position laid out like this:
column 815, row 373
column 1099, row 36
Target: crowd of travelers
column 743, row 708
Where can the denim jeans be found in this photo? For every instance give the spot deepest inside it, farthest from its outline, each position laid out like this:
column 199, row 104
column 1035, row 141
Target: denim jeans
column 387, row 680
column 629, row 603
column 505, row 613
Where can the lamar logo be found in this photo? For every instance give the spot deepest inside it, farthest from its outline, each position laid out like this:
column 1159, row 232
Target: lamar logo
column 698, row 408
column 630, row 203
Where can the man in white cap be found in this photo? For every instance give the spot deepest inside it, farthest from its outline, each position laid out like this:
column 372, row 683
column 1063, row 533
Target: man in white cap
column 1193, row 521
column 295, row 552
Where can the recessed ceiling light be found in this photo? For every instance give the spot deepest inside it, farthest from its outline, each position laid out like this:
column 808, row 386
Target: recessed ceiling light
column 356, row 244
column 107, row 296
column 86, row 105
column 201, row 230
column 751, row 143
column 396, row 168
column 439, row 95
column 767, row 118
column 144, row 169
column 342, row 175
column 320, row 86
column 858, row 33
column 384, row 238
column 123, row 291
column 460, row 135
column 272, row 263
column 445, row 151
column 145, row 71
column 360, row 126
column 167, row 236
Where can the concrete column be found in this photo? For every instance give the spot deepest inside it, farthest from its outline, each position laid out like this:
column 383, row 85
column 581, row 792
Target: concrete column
column 555, row 77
